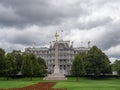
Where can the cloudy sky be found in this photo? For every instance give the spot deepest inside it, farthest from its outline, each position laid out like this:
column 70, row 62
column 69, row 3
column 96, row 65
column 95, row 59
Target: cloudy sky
column 25, row 21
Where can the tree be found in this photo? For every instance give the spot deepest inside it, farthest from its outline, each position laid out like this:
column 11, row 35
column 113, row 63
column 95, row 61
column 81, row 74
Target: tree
column 77, row 68
column 27, row 67
column 97, row 62
column 11, row 65
column 2, row 61
column 18, row 56
column 35, row 64
column 30, row 65
column 116, row 66
column 43, row 66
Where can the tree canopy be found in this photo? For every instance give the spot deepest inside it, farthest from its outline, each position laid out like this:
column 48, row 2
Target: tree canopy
column 11, row 65
column 97, row 62
column 32, row 66
column 42, row 65
column 2, row 61
column 18, row 56
column 116, row 66
column 16, row 61
column 77, row 68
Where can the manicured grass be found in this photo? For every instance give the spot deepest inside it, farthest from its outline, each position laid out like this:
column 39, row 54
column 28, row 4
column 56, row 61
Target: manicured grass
column 70, row 84
column 87, row 84
column 17, row 83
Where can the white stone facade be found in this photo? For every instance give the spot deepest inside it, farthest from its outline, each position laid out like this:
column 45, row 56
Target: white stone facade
column 66, row 55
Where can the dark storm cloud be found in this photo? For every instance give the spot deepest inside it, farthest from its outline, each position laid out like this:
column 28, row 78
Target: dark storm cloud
column 25, row 21
column 29, row 38
column 111, row 38
column 41, row 12
column 28, row 35
column 21, row 39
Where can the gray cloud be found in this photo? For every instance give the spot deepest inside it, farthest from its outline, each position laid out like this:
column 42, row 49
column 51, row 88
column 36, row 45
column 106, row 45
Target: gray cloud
column 111, row 38
column 39, row 12
column 28, row 35
column 25, row 21
column 95, row 23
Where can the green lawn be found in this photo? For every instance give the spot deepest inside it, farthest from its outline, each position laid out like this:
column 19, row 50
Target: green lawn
column 16, row 83
column 87, row 84
column 71, row 84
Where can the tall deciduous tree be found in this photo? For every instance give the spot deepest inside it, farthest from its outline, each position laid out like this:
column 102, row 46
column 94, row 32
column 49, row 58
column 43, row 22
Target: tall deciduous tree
column 2, row 61
column 30, row 65
column 11, row 65
column 77, row 68
column 27, row 67
column 116, row 66
column 18, row 56
column 43, row 66
column 97, row 62
column 35, row 64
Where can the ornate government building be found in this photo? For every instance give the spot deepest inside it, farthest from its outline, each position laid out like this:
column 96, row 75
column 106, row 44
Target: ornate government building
column 66, row 54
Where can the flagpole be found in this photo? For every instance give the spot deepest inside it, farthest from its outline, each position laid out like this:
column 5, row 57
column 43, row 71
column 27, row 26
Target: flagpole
column 61, row 34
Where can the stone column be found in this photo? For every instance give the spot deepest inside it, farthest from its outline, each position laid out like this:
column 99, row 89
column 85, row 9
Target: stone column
column 56, row 54
column 56, row 68
column 56, row 75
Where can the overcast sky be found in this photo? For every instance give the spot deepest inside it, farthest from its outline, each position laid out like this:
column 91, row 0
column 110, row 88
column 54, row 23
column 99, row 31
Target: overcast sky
column 25, row 21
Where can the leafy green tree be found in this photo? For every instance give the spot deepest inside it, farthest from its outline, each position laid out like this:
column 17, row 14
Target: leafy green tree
column 42, row 65
column 30, row 65
column 2, row 61
column 18, row 56
column 11, row 65
column 116, row 66
column 97, row 62
column 35, row 64
column 27, row 67
column 77, row 68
